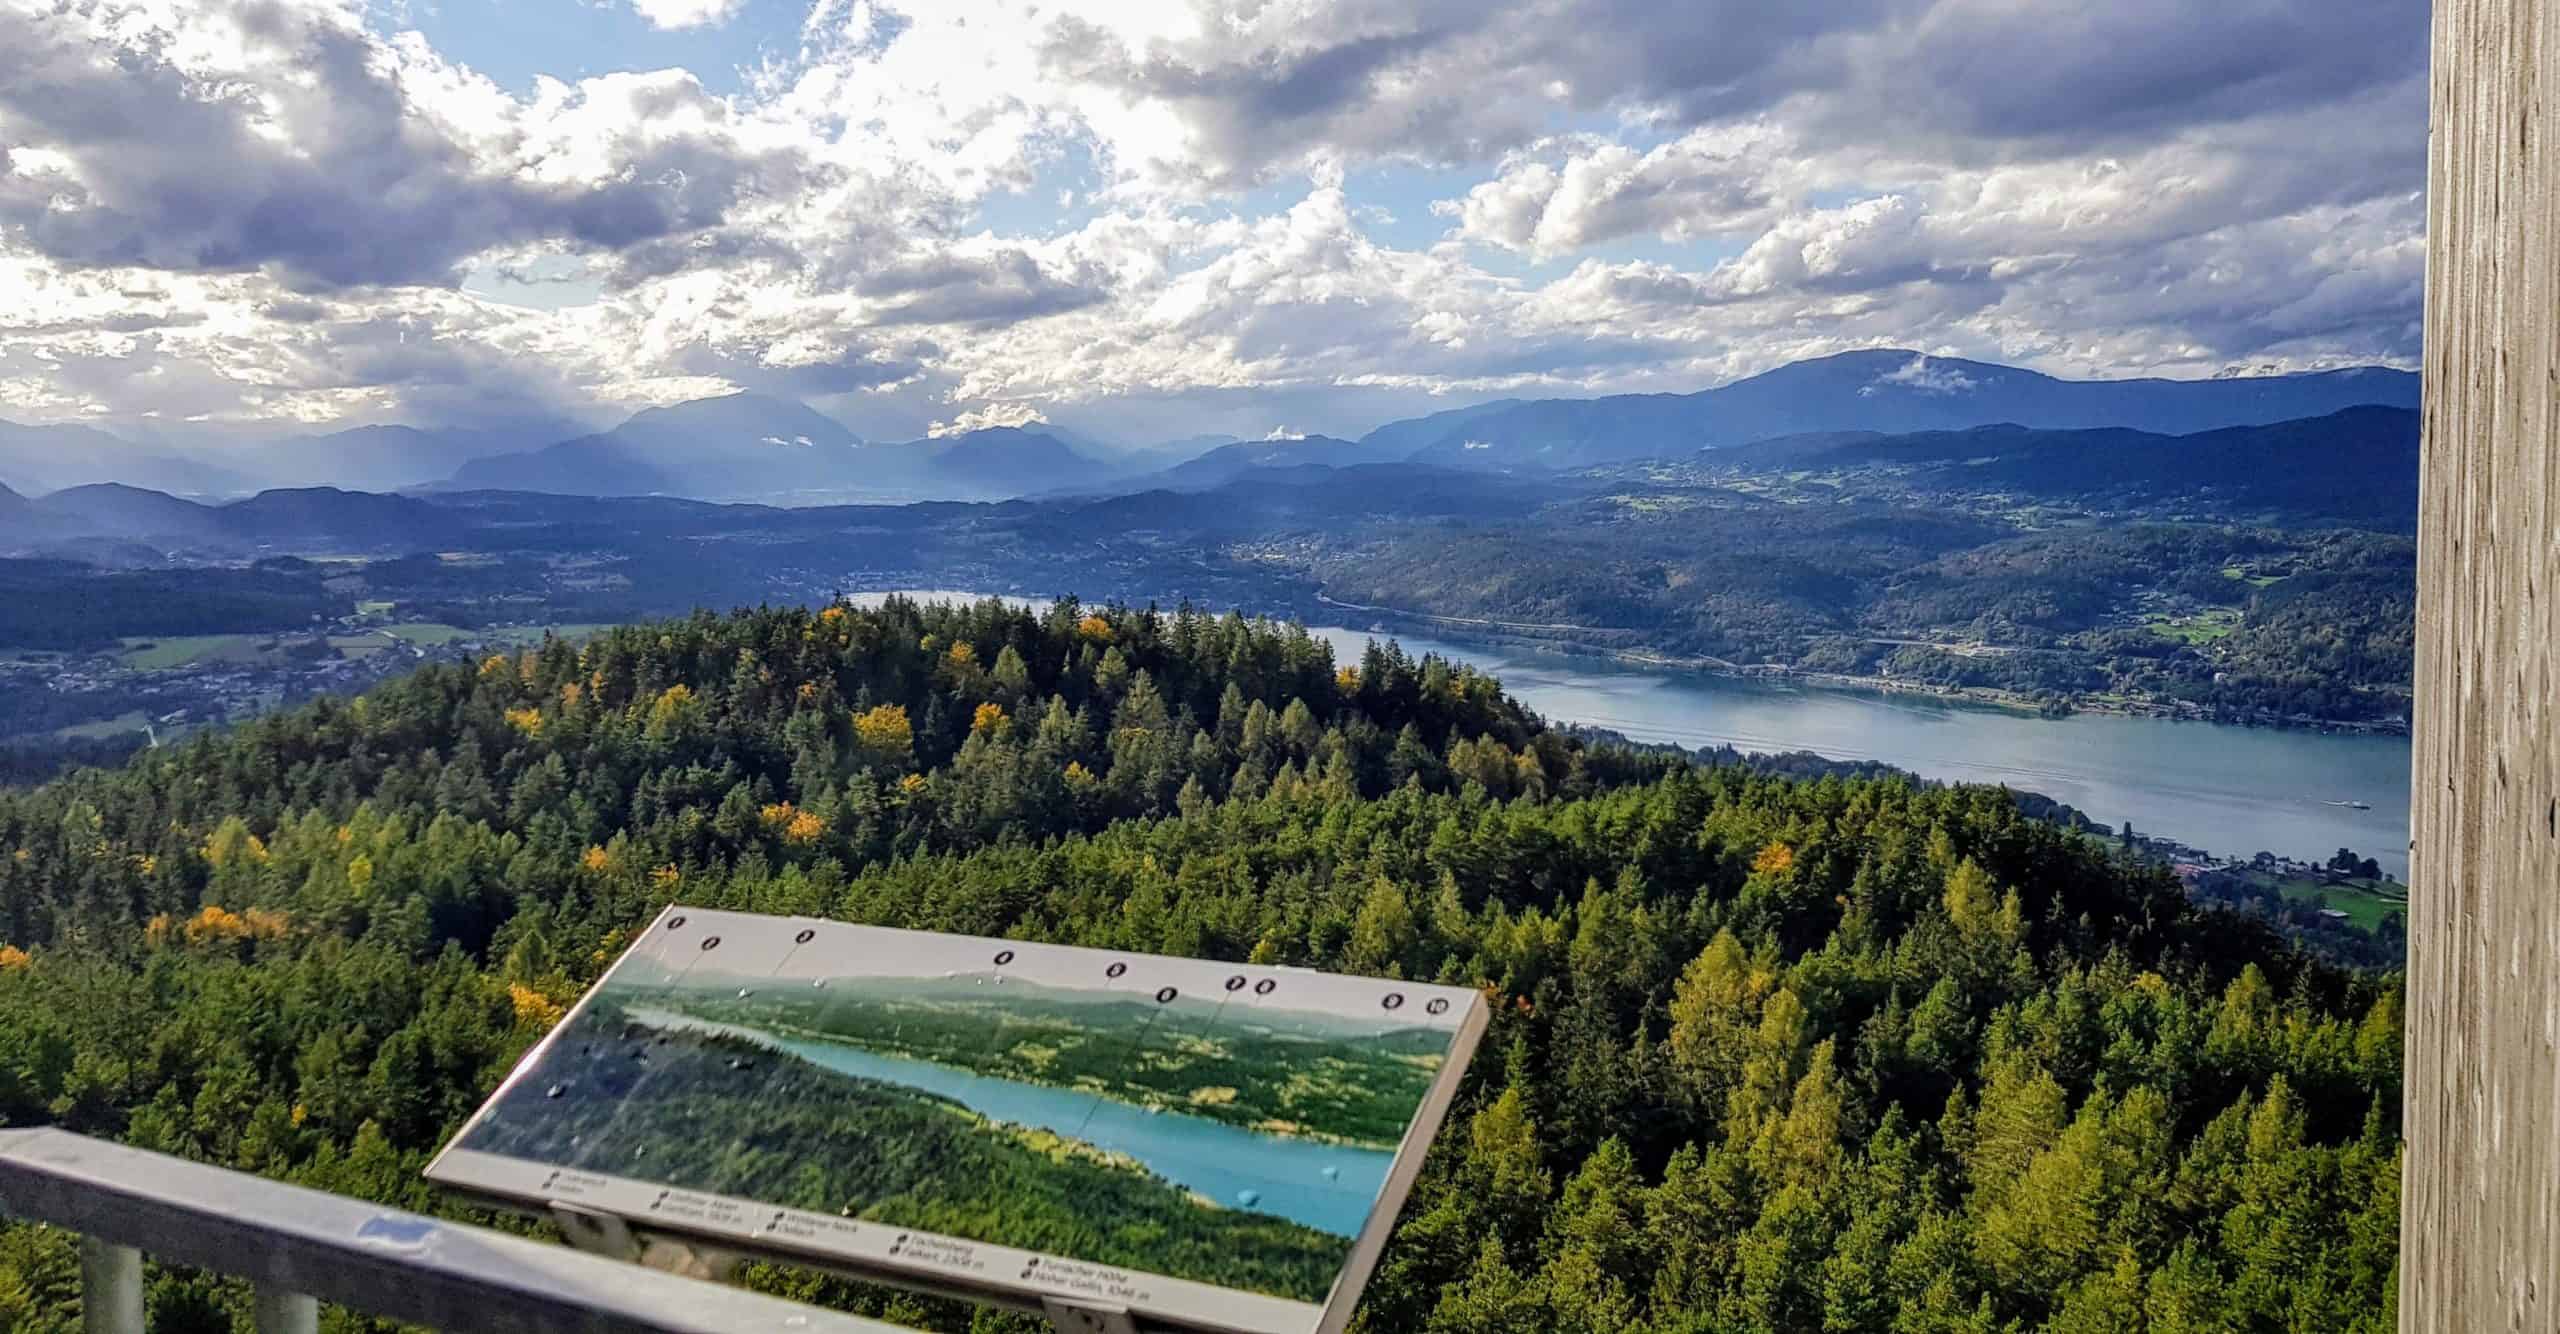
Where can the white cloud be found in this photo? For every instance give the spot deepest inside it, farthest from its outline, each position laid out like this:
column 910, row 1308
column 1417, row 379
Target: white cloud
column 672, row 14
column 243, row 211
column 1926, row 376
column 991, row 416
column 1708, row 182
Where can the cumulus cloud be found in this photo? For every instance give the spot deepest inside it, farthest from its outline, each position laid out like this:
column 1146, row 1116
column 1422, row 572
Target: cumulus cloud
column 685, row 13
column 1925, row 376
column 249, row 210
column 286, row 138
column 991, row 416
column 1705, row 183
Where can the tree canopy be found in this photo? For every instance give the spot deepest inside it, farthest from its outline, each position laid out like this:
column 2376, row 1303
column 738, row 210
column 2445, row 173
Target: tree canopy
column 1770, row 1053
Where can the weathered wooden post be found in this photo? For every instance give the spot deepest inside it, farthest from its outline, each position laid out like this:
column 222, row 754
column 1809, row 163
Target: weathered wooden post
column 2480, row 1225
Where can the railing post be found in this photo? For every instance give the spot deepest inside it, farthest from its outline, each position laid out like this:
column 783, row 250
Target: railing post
column 110, row 1288
column 282, row 1312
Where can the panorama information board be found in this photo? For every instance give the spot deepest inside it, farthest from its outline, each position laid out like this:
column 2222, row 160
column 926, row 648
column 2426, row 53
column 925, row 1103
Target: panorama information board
column 1205, row 1145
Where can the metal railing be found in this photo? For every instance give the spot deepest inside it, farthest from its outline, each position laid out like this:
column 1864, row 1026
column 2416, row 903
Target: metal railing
column 302, row 1247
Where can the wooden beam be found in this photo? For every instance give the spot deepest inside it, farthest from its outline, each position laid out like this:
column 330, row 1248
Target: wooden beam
column 2480, row 1222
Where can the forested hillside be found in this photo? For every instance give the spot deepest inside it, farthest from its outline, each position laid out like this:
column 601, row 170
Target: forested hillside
column 1769, row 1055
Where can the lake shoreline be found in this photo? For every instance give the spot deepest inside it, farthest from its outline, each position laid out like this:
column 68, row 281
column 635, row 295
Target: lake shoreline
column 1488, row 634
column 2209, row 784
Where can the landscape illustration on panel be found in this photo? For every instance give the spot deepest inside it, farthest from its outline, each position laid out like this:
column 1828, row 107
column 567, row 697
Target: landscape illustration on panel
column 1057, row 1101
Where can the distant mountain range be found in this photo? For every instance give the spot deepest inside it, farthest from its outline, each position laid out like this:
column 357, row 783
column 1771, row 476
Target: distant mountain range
column 302, row 518
column 2358, row 465
column 749, row 447
column 387, row 458
column 1892, row 392
column 1225, row 463
column 37, row 459
column 753, row 447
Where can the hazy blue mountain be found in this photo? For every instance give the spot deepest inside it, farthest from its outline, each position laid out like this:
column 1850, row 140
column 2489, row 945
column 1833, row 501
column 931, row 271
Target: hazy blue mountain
column 354, row 519
column 1227, row 463
column 1185, row 449
column 112, row 509
column 1892, row 391
column 736, row 446
column 1399, row 438
column 751, row 447
column 38, row 459
column 387, row 458
column 296, row 518
column 2357, row 465
column 996, row 463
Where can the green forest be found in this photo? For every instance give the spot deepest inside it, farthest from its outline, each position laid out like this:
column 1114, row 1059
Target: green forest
column 1770, row 1054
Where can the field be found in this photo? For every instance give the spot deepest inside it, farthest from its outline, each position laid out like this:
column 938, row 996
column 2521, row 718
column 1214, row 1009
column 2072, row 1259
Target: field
column 168, row 654
column 2250, row 577
column 2204, row 627
column 132, row 721
column 2365, row 902
column 425, row 634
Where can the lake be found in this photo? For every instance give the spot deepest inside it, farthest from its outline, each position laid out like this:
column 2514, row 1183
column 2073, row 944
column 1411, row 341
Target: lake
column 2231, row 790
column 1326, row 1187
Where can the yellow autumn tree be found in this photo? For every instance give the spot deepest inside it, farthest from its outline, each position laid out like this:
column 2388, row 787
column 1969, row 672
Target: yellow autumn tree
column 804, row 828
column 532, row 1009
column 673, row 710
column 989, row 718
column 1094, row 630
column 527, row 721
column 13, row 959
column 884, row 734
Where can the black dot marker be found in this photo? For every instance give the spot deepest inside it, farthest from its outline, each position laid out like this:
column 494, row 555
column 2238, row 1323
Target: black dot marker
column 1166, row 996
column 1394, row 1000
column 1003, row 957
column 804, row 937
column 1115, row 970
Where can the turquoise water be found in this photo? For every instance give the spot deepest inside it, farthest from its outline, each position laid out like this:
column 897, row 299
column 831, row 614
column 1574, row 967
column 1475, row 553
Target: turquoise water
column 1323, row 1186
column 2230, row 790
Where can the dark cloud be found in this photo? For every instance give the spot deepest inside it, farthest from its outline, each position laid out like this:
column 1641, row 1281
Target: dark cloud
column 313, row 163
column 1007, row 287
column 2067, row 72
column 1458, row 82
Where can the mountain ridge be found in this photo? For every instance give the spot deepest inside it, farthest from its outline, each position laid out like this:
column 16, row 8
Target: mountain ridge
column 1895, row 391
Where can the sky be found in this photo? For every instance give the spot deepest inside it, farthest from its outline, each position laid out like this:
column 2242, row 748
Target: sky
column 1156, row 220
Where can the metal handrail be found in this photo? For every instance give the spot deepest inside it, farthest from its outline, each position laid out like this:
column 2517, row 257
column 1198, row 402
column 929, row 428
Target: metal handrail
column 302, row 1247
